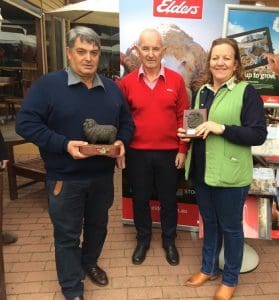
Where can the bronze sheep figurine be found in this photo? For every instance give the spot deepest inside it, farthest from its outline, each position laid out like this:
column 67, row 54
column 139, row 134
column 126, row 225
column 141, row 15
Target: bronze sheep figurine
column 99, row 134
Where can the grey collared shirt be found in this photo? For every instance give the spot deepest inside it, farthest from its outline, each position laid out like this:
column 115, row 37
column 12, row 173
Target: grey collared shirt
column 74, row 79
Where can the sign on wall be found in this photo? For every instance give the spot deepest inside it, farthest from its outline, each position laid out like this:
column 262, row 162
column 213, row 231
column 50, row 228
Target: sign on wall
column 256, row 29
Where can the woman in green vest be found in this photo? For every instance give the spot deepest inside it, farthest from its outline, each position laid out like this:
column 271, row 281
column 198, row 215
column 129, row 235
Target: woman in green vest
column 220, row 162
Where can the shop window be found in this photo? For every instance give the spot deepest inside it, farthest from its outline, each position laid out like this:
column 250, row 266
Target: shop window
column 18, row 45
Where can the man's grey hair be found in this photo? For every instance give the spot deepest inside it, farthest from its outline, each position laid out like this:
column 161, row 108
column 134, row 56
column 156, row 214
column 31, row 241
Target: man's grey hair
column 85, row 34
column 150, row 30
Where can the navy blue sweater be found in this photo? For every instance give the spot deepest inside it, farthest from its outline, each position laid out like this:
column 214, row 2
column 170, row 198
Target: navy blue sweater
column 52, row 114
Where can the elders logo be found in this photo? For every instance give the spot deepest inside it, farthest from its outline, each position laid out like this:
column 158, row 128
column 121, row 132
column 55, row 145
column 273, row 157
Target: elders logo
column 190, row 9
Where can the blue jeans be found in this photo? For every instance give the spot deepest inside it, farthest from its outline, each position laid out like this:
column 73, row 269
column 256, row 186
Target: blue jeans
column 79, row 205
column 222, row 210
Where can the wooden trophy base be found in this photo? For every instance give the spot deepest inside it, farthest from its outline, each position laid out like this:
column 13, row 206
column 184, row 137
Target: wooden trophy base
column 105, row 150
column 192, row 118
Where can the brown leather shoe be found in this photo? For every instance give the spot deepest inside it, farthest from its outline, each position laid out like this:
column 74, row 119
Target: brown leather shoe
column 98, row 276
column 199, row 279
column 224, row 292
column 8, row 237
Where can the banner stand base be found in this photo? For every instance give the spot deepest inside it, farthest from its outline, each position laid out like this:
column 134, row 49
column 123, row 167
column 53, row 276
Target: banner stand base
column 250, row 259
column 192, row 229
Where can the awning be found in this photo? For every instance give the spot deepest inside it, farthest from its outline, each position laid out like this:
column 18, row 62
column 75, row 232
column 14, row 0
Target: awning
column 101, row 12
column 25, row 6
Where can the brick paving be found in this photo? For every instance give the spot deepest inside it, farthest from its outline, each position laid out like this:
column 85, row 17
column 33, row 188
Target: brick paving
column 30, row 266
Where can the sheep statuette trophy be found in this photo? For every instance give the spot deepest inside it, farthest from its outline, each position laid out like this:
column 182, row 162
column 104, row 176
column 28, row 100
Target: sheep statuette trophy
column 192, row 119
column 100, row 138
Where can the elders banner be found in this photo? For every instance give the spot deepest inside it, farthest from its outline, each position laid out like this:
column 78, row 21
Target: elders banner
column 188, row 27
column 191, row 9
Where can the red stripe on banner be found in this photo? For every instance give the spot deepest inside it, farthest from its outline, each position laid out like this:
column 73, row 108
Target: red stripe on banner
column 270, row 99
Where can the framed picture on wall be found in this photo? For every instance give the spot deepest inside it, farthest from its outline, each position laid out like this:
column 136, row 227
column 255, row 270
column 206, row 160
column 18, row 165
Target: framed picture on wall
column 252, row 45
column 256, row 30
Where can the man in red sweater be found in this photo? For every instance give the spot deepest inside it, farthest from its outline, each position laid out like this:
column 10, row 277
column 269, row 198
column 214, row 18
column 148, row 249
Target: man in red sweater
column 157, row 98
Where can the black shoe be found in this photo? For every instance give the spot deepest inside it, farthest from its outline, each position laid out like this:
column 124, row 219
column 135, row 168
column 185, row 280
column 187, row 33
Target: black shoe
column 139, row 254
column 8, row 237
column 98, row 276
column 75, row 298
column 172, row 255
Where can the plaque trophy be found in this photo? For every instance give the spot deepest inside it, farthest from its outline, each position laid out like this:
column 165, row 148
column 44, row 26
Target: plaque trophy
column 192, row 118
column 100, row 139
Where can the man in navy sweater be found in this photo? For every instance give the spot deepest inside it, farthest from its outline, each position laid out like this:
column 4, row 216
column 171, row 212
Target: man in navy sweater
column 80, row 187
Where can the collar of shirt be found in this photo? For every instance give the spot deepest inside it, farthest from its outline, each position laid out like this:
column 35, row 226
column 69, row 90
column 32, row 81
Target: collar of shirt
column 73, row 78
column 152, row 83
column 229, row 84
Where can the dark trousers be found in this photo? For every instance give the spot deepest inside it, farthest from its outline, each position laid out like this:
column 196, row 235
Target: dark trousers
column 80, row 205
column 222, row 210
column 147, row 169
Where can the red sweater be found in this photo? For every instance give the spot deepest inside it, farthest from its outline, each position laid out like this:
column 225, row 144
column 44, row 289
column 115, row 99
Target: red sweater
column 157, row 113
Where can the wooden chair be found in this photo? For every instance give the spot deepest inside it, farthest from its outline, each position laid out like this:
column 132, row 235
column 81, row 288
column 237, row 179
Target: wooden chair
column 32, row 168
column 9, row 99
column 6, row 87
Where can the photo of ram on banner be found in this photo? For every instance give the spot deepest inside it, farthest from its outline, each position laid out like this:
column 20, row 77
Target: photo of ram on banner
column 256, row 29
column 188, row 28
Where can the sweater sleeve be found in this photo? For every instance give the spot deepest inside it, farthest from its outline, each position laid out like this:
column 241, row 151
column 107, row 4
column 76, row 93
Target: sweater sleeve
column 253, row 130
column 126, row 124
column 32, row 118
column 182, row 104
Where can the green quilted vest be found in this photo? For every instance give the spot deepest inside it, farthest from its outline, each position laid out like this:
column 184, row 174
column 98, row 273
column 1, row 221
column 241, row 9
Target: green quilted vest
column 227, row 164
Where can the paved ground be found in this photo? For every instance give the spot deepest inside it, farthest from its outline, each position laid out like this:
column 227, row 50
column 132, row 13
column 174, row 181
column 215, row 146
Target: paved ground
column 30, row 267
